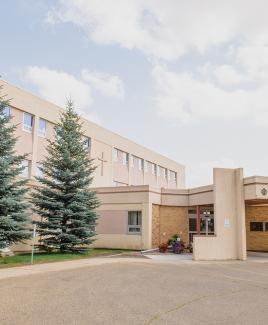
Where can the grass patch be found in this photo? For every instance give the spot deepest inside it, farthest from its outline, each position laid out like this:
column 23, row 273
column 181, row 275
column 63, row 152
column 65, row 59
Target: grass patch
column 42, row 257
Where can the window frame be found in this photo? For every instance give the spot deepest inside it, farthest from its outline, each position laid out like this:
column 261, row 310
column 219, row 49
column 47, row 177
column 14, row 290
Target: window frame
column 88, row 139
column 9, row 111
column 266, row 226
column 125, row 158
column 38, row 172
column 256, row 230
column 115, row 154
column 42, row 132
column 26, row 127
column 26, row 167
column 166, row 174
column 173, row 176
column 134, row 226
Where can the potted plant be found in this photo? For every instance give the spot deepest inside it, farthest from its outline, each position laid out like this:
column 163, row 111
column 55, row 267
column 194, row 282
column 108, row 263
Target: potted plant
column 172, row 240
column 163, row 247
column 178, row 246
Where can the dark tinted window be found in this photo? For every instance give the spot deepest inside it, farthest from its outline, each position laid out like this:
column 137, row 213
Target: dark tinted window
column 266, row 226
column 192, row 211
column 192, row 224
column 256, row 226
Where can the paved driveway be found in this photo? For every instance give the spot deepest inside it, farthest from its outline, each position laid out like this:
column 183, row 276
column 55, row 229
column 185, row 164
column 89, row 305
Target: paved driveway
column 140, row 293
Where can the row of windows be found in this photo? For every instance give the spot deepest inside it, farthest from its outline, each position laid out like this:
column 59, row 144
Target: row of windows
column 142, row 164
column 28, row 121
column 139, row 163
column 259, row 226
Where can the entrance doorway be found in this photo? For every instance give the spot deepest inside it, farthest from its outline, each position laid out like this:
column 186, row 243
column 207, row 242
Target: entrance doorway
column 201, row 221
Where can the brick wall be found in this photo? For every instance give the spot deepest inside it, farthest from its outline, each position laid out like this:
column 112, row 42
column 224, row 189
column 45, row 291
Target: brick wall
column 168, row 221
column 256, row 240
column 155, row 225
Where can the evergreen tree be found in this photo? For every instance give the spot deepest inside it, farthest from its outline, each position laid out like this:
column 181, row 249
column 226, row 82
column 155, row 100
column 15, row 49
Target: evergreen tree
column 64, row 201
column 14, row 219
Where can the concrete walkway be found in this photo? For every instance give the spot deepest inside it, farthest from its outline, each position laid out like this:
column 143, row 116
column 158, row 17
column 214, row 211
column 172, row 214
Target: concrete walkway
column 170, row 257
column 152, row 259
column 69, row 265
column 135, row 291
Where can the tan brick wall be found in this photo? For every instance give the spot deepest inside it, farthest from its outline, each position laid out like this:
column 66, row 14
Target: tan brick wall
column 256, row 240
column 155, row 225
column 168, row 221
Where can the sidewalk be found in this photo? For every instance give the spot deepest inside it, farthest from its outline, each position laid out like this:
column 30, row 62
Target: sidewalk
column 75, row 264
column 52, row 267
column 90, row 262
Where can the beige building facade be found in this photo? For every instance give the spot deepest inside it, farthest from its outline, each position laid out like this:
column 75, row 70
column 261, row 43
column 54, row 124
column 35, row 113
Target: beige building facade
column 222, row 220
column 119, row 161
column 143, row 197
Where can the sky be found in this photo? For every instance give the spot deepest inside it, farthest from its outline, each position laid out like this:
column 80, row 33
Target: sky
column 186, row 78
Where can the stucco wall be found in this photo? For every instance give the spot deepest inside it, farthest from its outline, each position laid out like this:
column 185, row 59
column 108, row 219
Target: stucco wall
column 256, row 240
column 168, row 221
column 229, row 241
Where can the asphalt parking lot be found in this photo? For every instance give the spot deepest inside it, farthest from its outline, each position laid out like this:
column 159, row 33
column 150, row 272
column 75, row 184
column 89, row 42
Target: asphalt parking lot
column 140, row 293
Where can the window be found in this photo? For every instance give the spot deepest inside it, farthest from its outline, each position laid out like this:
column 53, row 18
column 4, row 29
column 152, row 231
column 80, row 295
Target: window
column 256, row 226
column 166, row 173
column 86, row 142
column 134, row 222
column 115, row 154
column 125, row 158
column 131, row 160
column 137, row 162
column 39, row 172
column 192, row 211
column 153, row 169
column 27, row 122
column 162, row 172
column 145, row 166
column 173, row 176
column 141, row 164
column 192, row 224
column 42, row 127
column 7, row 111
column 26, row 168
column 266, row 226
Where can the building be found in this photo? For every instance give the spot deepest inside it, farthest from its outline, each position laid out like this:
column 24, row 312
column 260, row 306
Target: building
column 119, row 161
column 143, row 195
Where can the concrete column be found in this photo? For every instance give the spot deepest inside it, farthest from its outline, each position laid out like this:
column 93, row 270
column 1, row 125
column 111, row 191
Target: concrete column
column 241, row 219
column 147, row 225
column 229, row 241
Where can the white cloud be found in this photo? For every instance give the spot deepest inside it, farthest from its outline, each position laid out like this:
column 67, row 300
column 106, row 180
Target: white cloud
column 226, row 75
column 166, row 29
column 181, row 97
column 254, row 59
column 57, row 87
column 106, row 84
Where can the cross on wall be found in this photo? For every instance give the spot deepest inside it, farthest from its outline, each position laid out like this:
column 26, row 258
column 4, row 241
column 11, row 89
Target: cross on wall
column 102, row 160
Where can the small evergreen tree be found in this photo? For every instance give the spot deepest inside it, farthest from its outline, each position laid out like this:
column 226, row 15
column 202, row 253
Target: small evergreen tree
column 64, row 201
column 14, row 219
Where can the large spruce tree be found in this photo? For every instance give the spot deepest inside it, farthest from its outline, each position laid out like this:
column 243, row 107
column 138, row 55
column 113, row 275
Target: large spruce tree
column 14, row 219
column 64, row 201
